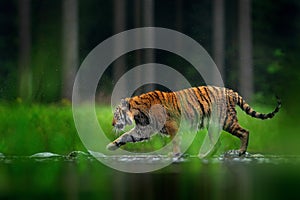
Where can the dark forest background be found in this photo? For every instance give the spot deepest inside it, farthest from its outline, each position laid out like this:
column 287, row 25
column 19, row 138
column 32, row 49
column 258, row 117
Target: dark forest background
column 254, row 43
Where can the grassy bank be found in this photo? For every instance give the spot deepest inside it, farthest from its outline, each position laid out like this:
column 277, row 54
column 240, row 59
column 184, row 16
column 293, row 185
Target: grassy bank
column 25, row 130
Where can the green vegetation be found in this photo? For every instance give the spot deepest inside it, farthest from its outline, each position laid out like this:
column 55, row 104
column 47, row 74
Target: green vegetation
column 28, row 129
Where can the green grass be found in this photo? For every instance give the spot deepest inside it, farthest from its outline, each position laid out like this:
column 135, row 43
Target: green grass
column 25, row 130
column 29, row 129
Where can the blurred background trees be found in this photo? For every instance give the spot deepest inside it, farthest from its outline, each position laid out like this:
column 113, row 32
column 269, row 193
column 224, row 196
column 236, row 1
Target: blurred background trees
column 25, row 73
column 69, row 46
column 254, row 43
column 245, row 49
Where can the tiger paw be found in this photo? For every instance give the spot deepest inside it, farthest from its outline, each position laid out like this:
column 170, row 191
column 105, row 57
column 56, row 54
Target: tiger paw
column 112, row 146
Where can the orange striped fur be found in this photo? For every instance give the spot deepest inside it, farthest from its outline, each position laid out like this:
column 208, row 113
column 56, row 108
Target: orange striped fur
column 194, row 104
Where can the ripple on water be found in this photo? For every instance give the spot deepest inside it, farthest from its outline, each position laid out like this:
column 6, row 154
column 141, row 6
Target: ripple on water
column 97, row 154
column 229, row 158
column 44, row 155
column 76, row 154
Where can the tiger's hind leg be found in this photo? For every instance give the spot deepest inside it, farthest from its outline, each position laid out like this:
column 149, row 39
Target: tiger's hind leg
column 236, row 130
column 171, row 128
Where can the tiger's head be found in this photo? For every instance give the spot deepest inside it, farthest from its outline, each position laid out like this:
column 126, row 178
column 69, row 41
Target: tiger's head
column 122, row 115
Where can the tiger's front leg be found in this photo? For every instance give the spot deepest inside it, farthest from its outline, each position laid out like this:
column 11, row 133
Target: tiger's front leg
column 134, row 135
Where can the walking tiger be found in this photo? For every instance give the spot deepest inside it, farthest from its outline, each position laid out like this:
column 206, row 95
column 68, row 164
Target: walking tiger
column 194, row 104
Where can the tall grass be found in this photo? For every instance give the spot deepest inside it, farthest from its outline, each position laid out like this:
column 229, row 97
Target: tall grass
column 29, row 129
column 25, row 130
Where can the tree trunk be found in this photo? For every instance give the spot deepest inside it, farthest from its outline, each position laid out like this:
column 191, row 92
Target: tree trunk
column 218, row 36
column 138, row 55
column 149, row 54
column 70, row 46
column 25, row 73
column 119, row 67
column 179, row 26
column 245, row 50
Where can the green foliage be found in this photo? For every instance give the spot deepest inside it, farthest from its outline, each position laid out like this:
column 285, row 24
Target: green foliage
column 28, row 129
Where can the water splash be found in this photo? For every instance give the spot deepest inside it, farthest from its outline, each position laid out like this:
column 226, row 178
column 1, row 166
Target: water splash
column 44, row 155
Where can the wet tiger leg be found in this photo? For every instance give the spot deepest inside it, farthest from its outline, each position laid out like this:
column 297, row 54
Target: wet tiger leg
column 236, row 130
column 134, row 135
column 171, row 129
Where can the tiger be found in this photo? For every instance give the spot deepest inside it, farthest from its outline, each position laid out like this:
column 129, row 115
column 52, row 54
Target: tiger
column 194, row 104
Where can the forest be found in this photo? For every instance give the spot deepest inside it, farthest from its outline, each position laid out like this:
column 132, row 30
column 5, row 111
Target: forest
column 41, row 49
column 255, row 45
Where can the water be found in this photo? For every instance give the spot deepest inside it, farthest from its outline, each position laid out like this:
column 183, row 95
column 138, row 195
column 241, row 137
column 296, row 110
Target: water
column 79, row 175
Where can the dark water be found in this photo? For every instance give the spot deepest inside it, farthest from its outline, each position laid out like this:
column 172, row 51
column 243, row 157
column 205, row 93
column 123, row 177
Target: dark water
column 80, row 176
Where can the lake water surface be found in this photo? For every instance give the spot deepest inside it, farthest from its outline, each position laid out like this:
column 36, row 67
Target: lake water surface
column 81, row 176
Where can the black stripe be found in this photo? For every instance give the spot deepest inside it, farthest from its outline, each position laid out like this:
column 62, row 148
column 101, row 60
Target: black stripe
column 230, row 125
column 157, row 96
column 253, row 114
column 240, row 101
column 150, row 94
column 190, row 103
column 129, row 106
column 146, row 98
column 248, row 109
column 136, row 102
column 203, row 98
column 262, row 116
column 206, row 90
column 201, row 105
column 181, row 100
column 189, row 96
column 208, row 101
column 132, row 138
column 176, row 103
column 154, row 93
column 225, row 121
column 188, row 92
column 201, row 95
column 214, row 96
column 143, row 97
column 120, row 143
column 142, row 119
column 140, row 111
column 202, row 121
column 166, row 99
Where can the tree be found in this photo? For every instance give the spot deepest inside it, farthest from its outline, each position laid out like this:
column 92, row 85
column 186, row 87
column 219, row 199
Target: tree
column 179, row 26
column 245, row 50
column 138, row 55
column 25, row 73
column 119, row 67
column 70, row 46
column 218, row 35
column 148, row 6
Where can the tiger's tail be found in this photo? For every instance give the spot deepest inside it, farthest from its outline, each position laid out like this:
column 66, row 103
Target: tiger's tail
column 250, row 111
